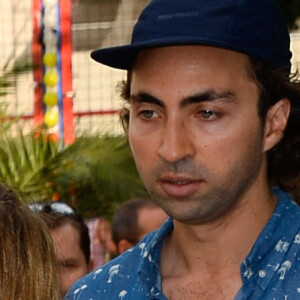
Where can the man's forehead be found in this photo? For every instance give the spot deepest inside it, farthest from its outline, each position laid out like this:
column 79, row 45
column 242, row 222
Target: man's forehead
column 65, row 233
column 189, row 49
column 189, row 62
column 190, row 56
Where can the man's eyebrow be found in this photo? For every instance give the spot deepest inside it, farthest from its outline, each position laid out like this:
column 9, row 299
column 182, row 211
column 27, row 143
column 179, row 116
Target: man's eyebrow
column 209, row 95
column 146, row 98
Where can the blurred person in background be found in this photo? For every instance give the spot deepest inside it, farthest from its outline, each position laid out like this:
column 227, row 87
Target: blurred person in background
column 28, row 267
column 133, row 220
column 71, row 241
column 103, row 247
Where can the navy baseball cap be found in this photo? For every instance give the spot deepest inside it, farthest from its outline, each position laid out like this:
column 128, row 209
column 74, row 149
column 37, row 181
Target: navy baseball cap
column 253, row 27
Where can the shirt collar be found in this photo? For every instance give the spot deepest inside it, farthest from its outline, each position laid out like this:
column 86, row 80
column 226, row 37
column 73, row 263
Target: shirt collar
column 148, row 270
column 272, row 245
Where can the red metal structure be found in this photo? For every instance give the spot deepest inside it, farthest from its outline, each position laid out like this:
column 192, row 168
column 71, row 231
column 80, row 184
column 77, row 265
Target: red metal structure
column 65, row 130
column 37, row 53
column 66, row 71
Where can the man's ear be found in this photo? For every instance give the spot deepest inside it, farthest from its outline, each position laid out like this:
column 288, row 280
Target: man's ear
column 275, row 124
column 123, row 245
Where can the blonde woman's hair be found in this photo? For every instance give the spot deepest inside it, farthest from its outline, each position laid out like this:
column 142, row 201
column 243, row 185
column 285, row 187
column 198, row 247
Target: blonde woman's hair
column 27, row 257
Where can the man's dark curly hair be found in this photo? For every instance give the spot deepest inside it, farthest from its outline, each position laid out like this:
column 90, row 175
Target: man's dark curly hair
column 283, row 158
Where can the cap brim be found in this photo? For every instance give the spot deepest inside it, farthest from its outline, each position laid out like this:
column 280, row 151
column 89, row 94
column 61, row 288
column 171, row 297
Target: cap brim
column 122, row 57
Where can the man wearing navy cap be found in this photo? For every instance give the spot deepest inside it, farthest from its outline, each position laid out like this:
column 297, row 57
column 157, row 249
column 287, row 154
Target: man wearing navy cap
column 213, row 124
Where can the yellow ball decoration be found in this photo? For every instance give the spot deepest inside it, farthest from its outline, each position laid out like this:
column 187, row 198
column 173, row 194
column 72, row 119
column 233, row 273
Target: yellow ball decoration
column 51, row 78
column 50, row 98
column 51, row 118
column 49, row 59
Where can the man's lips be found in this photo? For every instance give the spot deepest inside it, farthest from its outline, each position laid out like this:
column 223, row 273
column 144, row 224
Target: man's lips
column 179, row 186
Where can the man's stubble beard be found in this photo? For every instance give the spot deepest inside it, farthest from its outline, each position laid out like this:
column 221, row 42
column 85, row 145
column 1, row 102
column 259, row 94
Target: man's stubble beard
column 216, row 196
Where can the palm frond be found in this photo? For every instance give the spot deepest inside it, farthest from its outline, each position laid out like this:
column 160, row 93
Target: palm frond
column 96, row 172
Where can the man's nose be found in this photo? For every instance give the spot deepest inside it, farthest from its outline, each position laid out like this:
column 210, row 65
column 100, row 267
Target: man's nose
column 176, row 142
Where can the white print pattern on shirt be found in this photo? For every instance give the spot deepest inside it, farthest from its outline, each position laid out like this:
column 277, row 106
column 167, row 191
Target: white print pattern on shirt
column 122, row 294
column 114, row 270
column 286, row 265
column 274, row 267
column 153, row 293
column 80, row 289
column 248, row 273
column 97, row 272
column 282, row 246
column 297, row 239
column 144, row 252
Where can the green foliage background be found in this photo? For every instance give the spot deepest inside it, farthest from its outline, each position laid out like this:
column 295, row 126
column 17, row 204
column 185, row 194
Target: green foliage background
column 94, row 174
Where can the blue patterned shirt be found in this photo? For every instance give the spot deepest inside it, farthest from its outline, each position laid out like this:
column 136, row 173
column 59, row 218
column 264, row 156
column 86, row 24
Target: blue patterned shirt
column 271, row 271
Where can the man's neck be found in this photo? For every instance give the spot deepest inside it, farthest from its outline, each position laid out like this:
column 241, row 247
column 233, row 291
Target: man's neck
column 202, row 261
column 220, row 244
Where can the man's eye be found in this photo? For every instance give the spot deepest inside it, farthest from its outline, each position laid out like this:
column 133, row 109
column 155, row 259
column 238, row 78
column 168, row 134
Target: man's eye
column 67, row 265
column 208, row 114
column 147, row 114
